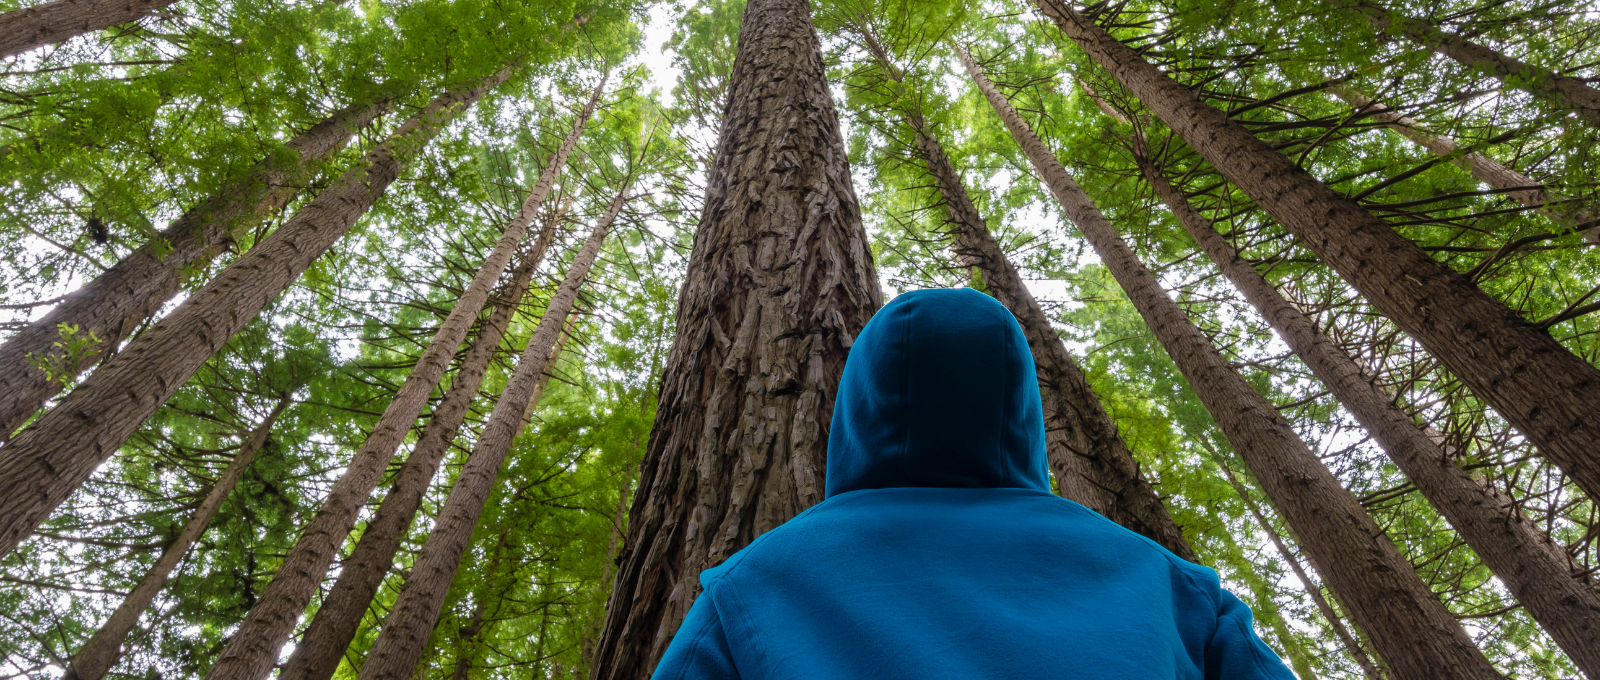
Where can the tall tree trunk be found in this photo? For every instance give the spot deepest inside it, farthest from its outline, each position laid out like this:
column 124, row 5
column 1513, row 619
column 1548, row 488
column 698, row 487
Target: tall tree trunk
column 101, row 652
column 410, row 622
column 1562, row 91
column 113, row 304
column 1351, row 645
column 52, row 22
column 323, row 643
column 1487, row 170
column 51, row 457
column 780, row 281
column 1410, row 627
column 1537, row 571
column 550, row 364
column 253, row 648
column 1092, row 463
column 1547, row 392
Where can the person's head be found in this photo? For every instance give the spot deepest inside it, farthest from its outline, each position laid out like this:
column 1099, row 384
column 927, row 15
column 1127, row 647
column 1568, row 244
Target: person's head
column 939, row 391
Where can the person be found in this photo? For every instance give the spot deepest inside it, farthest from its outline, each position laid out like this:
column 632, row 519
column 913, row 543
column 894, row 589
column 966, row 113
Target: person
column 939, row 550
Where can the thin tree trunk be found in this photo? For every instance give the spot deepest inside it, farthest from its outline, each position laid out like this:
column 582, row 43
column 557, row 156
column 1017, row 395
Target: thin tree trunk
column 254, row 647
column 1092, row 463
column 112, row 305
column 101, row 652
column 1562, row 91
column 54, row 455
column 1537, row 571
column 52, row 22
column 410, row 622
column 1351, row 645
column 1412, row 630
column 1489, row 171
column 1549, row 394
column 323, row 643
column 780, row 281
column 550, row 366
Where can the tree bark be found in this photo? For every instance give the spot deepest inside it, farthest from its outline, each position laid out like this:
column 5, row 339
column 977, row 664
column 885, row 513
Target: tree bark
column 1545, row 391
column 550, row 363
column 1410, row 627
column 1562, row 91
column 54, row 455
column 114, row 304
column 780, row 280
column 323, row 644
column 1091, row 462
column 410, row 622
column 253, row 648
column 1537, row 571
column 1489, row 171
column 1351, row 645
column 101, row 652
column 52, row 22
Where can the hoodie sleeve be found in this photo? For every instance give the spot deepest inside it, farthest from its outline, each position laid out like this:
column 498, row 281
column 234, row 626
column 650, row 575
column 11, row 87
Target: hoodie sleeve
column 1235, row 653
column 700, row 650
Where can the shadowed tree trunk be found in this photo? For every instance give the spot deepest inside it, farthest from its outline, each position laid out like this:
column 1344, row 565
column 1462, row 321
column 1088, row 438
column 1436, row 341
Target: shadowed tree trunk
column 1489, row 171
column 1091, row 462
column 101, row 652
column 54, row 455
column 1351, row 645
column 323, row 643
column 112, row 305
column 1412, row 630
column 1537, row 571
column 410, row 622
column 780, row 280
column 1561, row 91
column 1549, row 394
column 253, row 648
column 52, row 22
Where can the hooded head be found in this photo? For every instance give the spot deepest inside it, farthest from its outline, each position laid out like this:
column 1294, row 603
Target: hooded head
column 939, row 391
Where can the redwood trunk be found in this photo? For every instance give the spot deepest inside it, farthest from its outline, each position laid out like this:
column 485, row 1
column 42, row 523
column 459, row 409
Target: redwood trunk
column 1091, row 462
column 253, row 648
column 410, row 622
column 52, row 22
column 1487, row 170
column 323, row 643
column 113, row 304
column 1562, row 91
column 1410, row 627
column 780, row 281
column 101, row 652
column 1547, row 392
column 51, row 457
column 1537, row 571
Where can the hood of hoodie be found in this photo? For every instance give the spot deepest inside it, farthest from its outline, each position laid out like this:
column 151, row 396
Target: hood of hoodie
column 939, row 391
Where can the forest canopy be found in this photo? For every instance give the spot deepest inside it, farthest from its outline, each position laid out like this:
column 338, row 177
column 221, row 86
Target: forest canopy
column 431, row 338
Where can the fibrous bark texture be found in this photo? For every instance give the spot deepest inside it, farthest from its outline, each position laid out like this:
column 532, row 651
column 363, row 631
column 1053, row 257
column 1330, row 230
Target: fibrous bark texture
column 323, row 643
column 1562, row 91
column 52, row 22
column 1410, row 627
column 780, row 281
column 1547, row 392
column 253, row 649
column 54, row 455
column 1489, row 171
column 1090, row 460
column 101, row 652
column 113, row 304
column 1537, row 571
column 410, row 622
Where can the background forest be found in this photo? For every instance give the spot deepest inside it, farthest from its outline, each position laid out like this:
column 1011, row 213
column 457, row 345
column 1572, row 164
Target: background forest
column 312, row 285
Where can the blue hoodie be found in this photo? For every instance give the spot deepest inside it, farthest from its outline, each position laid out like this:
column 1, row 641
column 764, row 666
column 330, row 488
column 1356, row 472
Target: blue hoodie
column 939, row 551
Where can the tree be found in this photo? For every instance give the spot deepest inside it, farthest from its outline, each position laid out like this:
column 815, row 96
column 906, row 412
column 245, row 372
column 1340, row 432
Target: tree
column 57, row 20
column 1410, row 628
column 780, row 279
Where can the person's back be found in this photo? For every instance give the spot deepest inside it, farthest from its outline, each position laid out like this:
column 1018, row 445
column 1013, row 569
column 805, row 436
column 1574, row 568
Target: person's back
column 940, row 551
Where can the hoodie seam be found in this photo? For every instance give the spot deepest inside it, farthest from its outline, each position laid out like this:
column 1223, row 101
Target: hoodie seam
column 743, row 612
column 1001, row 438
